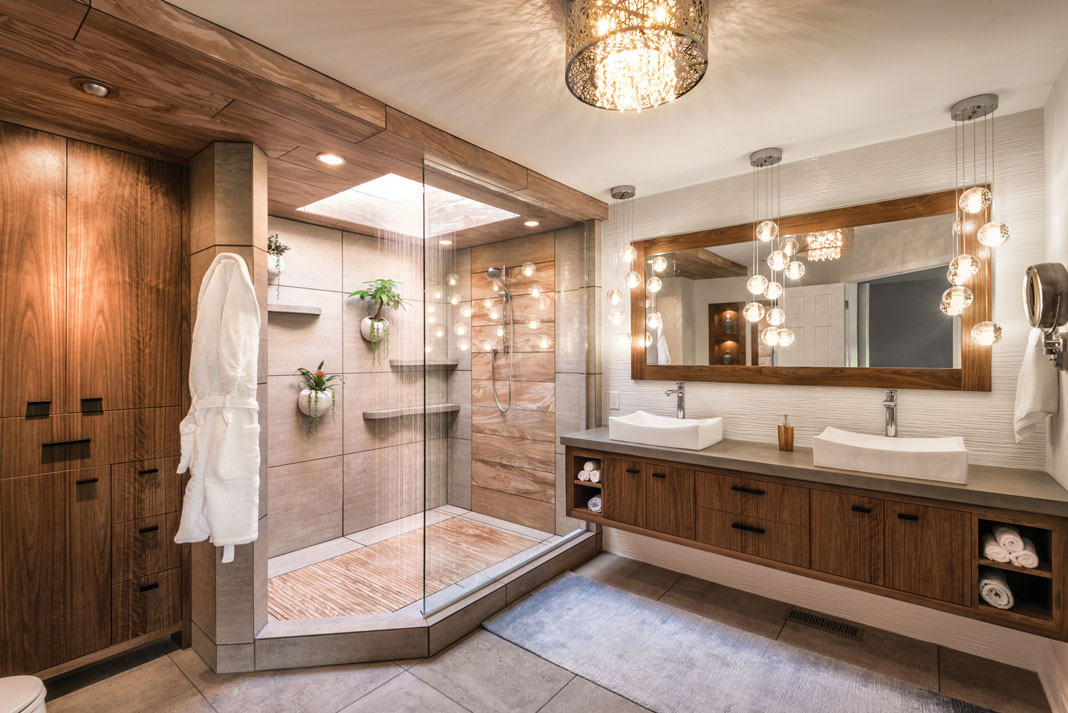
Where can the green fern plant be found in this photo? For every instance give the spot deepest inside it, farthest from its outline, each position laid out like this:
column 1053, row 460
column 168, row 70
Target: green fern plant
column 384, row 293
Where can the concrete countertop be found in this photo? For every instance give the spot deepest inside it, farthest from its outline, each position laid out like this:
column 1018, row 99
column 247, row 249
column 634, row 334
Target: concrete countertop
column 988, row 486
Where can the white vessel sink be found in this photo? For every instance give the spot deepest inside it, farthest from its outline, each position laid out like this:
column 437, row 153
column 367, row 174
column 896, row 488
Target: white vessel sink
column 691, row 433
column 941, row 459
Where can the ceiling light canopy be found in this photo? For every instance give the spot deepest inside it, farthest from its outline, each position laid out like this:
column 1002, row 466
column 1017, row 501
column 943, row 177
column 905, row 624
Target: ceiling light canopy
column 330, row 159
column 630, row 55
column 93, row 87
column 531, row 223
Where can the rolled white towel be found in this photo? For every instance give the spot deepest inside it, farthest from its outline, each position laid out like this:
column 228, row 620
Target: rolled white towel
column 589, row 465
column 992, row 550
column 1027, row 557
column 584, row 475
column 594, row 504
column 1009, row 538
column 995, row 590
column 595, row 476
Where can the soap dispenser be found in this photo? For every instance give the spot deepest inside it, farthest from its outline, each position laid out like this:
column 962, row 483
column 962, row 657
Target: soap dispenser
column 786, row 434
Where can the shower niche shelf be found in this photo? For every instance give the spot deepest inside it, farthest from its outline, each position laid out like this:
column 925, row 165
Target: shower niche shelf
column 417, row 364
column 309, row 310
column 385, row 413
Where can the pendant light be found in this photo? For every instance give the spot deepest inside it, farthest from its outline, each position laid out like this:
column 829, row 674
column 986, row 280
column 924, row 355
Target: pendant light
column 628, row 254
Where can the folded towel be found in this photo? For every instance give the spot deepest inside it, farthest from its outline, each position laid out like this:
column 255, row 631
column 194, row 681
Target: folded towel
column 1009, row 538
column 1036, row 388
column 595, row 476
column 992, row 550
column 589, row 465
column 594, row 505
column 584, row 475
column 994, row 589
column 1027, row 557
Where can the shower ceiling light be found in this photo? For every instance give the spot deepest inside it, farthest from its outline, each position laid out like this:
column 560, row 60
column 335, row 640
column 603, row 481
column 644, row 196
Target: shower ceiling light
column 93, row 87
column 330, row 159
column 629, row 55
column 531, row 223
column 444, row 241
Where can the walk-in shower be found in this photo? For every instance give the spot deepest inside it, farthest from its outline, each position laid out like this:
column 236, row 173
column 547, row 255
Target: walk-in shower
column 507, row 332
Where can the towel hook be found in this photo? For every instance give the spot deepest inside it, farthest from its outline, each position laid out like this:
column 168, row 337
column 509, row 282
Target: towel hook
column 1045, row 291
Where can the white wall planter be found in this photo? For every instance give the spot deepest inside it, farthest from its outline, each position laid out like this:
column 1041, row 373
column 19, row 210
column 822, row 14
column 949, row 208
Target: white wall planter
column 276, row 265
column 373, row 331
column 315, row 405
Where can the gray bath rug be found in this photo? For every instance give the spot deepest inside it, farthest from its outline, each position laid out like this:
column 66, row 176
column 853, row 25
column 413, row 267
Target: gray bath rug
column 673, row 661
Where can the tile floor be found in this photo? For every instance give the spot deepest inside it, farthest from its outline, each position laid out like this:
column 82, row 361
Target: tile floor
column 483, row 673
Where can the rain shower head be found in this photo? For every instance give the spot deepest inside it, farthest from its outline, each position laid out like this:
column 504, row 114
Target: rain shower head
column 497, row 273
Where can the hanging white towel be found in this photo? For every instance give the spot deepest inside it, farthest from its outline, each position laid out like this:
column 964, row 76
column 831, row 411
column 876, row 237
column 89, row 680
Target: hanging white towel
column 992, row 550
column 1027, row 557
column 995, row 590
column 1036, row 388
column 1009, row 538
column 221, row 433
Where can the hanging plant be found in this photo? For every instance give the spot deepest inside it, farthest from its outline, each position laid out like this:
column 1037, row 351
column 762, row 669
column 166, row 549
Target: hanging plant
column 375, row 329
column 276, row 263
column 317, row 396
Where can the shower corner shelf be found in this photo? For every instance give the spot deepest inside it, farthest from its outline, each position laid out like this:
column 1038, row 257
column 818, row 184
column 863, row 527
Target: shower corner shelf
column 416, row 364
column 277, row 308
column 385, row 413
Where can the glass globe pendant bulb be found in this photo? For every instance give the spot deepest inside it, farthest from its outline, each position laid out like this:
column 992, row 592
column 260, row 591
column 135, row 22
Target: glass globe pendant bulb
column 632, row 279
column 776, row 316
column 753, row 312
column 628, row 254
column 528, row 269
column 773, row 290
column 790, row 247
column 975, row 200
column 795, row 270
column 659, row 263
column 653, row 284
column 958, row 227
column 993, row 233
column 986, row 334
column 777, row 260
column 648, row 339
column 616, row 317
column 786, row 337
column 623, row 338
column 452, row 278
column 654, row 320
column 962, row 268
column 756, row 284
column 614, row 297
column 767, row 230
column 770, row 336
column 955, row 300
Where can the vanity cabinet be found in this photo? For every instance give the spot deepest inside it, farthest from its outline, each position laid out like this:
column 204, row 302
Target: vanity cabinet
column 657, row 497
column 927, row 551
column 624, row 491
column 847, row 535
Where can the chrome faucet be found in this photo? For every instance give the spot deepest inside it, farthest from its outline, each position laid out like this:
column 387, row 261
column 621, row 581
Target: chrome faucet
column 890, row 404
column 679, row 392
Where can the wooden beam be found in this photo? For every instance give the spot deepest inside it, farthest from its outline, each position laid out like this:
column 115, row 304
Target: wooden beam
column 700, row 264
column 63, row 17
column 562, row 199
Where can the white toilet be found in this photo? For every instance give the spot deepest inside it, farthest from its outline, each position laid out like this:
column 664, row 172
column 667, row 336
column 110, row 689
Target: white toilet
column 22, row 694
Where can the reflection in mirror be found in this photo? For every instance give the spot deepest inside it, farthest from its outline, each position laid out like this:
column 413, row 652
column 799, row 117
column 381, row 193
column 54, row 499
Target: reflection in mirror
column 868, row 297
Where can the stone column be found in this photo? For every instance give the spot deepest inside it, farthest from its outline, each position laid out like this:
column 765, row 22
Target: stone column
column 228, row 213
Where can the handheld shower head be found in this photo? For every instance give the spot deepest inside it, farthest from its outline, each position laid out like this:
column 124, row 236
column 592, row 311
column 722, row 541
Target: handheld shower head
column 497, row 274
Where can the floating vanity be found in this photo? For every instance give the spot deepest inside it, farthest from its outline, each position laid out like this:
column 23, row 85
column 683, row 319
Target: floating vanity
column 909, row 539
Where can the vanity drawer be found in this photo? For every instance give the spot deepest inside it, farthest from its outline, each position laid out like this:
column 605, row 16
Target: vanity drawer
column 753, row 498
column 146, row 604
column 754, row 536
column 143, row 546
column 145, row 488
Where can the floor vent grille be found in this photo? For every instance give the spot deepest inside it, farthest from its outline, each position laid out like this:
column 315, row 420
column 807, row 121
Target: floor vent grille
column 818, row 621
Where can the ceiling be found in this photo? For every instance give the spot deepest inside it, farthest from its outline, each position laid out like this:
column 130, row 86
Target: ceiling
column 811, row 76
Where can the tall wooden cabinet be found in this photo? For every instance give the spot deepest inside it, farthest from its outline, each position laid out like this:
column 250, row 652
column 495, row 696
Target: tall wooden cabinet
column 92, row 260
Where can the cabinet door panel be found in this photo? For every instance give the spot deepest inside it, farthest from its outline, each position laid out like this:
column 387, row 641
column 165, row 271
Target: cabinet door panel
column 144, row 488
column 624, row 491
column 89, row 566
column 669, row 498
column 847, row 535
column 761, row 538
column 754, row 498
column 32, row 269
column 124, row 276
column 927, row 551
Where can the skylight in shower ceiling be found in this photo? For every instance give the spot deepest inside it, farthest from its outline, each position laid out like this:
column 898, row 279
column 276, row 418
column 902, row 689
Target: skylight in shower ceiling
column 395, row 204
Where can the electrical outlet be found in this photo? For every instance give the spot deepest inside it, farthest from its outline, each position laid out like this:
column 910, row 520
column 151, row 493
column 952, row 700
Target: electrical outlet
column 613, row 399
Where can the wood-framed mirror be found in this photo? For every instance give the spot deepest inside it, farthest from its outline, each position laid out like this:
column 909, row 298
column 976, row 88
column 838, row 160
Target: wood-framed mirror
column 864, row 315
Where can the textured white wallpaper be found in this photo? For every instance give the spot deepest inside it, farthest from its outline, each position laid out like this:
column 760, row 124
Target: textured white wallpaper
column 918, row 164
column 1057, row 242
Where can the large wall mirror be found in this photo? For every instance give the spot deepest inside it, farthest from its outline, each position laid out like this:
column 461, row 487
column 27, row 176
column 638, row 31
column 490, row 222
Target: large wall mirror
column 865, row 312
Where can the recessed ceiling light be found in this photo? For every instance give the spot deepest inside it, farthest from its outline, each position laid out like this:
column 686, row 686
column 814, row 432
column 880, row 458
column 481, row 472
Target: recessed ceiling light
column 444, row 241
column 93, row 87
column 330, row 159
column 531, row 223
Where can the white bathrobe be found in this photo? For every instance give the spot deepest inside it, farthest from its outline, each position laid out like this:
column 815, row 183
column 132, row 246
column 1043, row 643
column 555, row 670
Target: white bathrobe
column 221, row 433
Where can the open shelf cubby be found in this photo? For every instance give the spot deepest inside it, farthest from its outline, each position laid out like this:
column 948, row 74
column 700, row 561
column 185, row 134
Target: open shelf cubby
column 1032, row 589
column 583, row 490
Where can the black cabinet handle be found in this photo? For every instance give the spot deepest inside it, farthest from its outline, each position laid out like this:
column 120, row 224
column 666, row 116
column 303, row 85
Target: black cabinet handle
column 148, row 471
column 861, row 508
column 659, row 475
column 748, row 491
column 147, row 587
column 59, row 444
column 633, row 470
column 146, row 530
column 907, row 516
column 86, row 481
column 747, row 528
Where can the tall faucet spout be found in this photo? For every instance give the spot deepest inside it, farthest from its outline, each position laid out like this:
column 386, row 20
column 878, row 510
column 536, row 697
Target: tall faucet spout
column 890, row 404
column 679, row 392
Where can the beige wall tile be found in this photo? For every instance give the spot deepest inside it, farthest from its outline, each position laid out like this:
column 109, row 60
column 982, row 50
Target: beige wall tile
column 539, row 455
column 314, row 258
column 513, row 480
column 367, row 258
column 570, row 258
column 460, row 393
column 570, row 405
column 405, row 336
column 437, row 472
column 526, row 395
column 514, row 508
column 309, row 498
column 290, row 440
column 382, row 485
column 373, row 392
column 325, row 649
column 299, row 340
column 533, row 248
column 526, row 366
column 535, row 425
column 593, row 330
column 571, row 331
column 593, row 253
column 459, row 335
column 460, row 473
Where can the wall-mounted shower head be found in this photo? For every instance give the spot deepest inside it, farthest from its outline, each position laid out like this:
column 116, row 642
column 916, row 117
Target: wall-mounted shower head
column 497, row 274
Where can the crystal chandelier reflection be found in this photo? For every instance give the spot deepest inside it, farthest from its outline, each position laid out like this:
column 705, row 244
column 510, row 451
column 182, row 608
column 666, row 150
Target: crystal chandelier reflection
column 629, row 55
column 828, row 244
